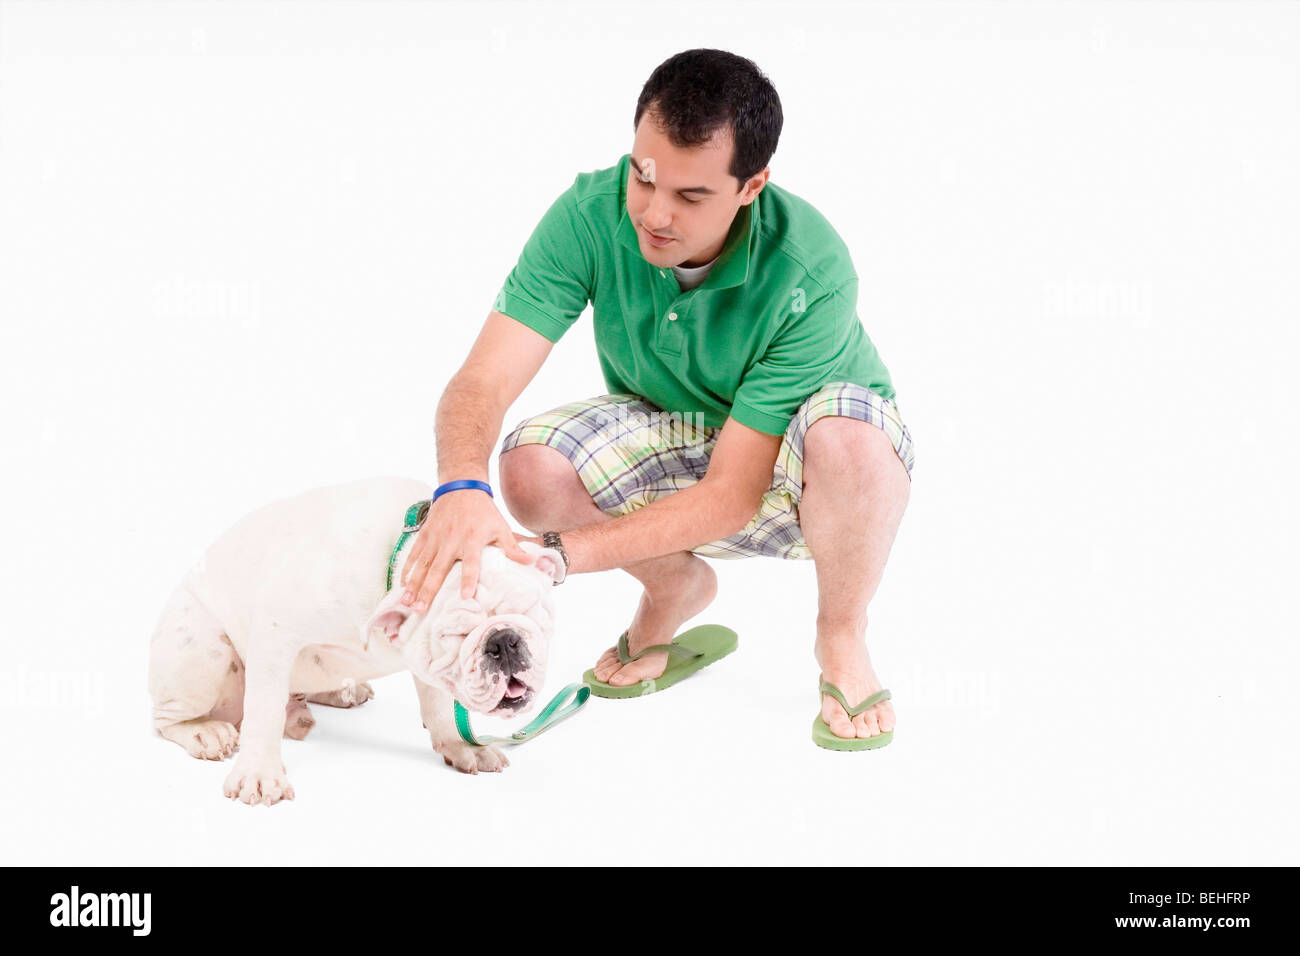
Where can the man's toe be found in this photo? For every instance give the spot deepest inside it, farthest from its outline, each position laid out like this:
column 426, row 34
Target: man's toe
column 627, row 674
column 885, row 715
column 606, row 666
column 604, row 672
column 646, row 668
column 867, row 724
column 837, row 719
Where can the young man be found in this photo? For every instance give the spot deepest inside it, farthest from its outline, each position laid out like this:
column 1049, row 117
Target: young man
column 731, row 304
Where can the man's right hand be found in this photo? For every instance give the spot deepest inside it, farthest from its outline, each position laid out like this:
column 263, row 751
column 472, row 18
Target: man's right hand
column 459, row 525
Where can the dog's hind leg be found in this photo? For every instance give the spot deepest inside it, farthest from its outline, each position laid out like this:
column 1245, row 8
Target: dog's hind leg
column 298, row 720
column 351, row 694
column 196, row 679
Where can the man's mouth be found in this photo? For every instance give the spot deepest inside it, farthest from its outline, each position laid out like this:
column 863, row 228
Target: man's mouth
column 656, row 240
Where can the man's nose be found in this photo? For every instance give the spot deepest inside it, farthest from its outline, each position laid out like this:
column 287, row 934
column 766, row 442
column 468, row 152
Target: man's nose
column 506, row 647
column 657, row 215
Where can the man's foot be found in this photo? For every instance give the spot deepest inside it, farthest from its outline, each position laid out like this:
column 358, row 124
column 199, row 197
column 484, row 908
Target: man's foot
column 852, row 673
column 658, row 618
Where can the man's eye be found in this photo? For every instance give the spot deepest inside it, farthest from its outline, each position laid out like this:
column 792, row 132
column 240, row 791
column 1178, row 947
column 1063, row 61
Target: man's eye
column 689, row 202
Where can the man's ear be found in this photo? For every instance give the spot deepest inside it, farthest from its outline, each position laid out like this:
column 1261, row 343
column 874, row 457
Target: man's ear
column 386, row 620
column 546, row 559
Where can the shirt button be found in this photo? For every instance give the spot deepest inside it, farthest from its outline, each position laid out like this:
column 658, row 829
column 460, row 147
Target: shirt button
column 672, row 316
column 662, row 273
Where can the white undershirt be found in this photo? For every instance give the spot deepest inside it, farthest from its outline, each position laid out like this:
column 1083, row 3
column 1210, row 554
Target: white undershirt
column 690, row 278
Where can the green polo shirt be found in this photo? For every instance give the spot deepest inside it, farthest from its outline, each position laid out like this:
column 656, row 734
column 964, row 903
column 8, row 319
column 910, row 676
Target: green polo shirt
column 774, row 321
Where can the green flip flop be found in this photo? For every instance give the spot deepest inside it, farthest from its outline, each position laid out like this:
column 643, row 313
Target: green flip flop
column 689, row 652
column 821, row 732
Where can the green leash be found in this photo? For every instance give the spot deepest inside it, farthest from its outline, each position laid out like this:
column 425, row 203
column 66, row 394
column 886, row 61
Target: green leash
column 564, row 704
column 575, row 694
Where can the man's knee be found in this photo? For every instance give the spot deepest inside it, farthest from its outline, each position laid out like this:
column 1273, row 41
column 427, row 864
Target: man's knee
column 533, row 478
column 838, row 444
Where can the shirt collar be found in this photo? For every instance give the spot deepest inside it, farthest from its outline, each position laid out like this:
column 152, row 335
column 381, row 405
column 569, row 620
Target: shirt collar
column 733, row 264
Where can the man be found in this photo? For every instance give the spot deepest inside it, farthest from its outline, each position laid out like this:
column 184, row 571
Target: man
column 731, row 304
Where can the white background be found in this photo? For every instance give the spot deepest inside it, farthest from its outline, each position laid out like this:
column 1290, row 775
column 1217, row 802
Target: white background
column 244, row 246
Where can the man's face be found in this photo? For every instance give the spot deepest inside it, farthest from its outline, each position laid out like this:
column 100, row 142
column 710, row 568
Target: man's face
column 686, row 195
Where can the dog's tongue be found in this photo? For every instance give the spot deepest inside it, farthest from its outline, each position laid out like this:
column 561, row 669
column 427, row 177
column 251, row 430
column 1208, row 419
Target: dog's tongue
column 515, row 689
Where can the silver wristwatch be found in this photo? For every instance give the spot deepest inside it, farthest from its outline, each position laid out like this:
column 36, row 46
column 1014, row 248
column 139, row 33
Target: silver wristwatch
column 551, row 539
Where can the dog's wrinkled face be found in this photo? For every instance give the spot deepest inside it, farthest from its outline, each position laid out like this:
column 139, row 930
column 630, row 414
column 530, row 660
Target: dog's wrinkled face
column 488, row 651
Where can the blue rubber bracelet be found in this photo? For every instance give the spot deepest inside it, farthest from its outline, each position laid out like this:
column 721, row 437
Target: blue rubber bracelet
column 460, row 483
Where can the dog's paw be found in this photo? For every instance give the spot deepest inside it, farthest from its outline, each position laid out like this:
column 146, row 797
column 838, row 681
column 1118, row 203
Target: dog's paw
column 258, row 783
column 205, row 739
column 354, row 694
column 470, row 759
column 298, row 720
column 351, row 694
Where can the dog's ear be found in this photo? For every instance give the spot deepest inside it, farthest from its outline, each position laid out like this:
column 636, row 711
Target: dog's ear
column 546, row 559
column 386, row 621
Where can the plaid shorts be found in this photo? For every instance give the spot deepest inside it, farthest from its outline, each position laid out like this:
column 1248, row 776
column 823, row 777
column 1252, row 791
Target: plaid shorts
column 628, row 452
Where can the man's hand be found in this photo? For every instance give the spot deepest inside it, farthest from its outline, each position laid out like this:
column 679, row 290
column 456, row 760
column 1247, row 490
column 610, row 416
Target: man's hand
column 459, row 525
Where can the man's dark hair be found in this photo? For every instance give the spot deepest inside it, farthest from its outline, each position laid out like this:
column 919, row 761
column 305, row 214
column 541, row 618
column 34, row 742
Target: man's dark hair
column 697, row 92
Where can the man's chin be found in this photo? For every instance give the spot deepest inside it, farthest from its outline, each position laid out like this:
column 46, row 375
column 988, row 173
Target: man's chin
column 661, row 256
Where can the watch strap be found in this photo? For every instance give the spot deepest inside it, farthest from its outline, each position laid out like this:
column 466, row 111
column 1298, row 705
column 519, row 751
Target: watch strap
column 551, row 539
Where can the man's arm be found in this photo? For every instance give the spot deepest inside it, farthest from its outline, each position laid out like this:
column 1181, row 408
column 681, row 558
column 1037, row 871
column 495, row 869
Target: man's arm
column 718, row 505
column 503, row 360
column 545, row 293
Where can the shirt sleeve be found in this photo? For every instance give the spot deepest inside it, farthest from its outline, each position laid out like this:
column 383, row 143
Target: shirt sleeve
column 801, row 358
column 552, row 281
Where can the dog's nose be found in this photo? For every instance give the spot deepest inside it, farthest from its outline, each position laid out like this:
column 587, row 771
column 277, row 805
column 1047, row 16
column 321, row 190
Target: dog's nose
column 506, row 649
column 502, row 643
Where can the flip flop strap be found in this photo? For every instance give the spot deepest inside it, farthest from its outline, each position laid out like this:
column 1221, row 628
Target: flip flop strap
column 624, row 657
column 828, row 688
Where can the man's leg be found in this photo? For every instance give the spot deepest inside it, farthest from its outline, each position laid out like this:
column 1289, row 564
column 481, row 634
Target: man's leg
column 855, row 489
column 544, row 493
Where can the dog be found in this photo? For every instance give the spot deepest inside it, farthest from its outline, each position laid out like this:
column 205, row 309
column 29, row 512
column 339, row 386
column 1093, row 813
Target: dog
column 290, row 606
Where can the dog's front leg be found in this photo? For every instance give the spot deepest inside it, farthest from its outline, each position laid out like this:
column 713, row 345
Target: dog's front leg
column 436, row 709
column 259, row 775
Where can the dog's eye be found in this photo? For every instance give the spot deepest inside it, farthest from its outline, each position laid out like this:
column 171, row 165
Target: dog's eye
column 515, row 605
column 461, row 621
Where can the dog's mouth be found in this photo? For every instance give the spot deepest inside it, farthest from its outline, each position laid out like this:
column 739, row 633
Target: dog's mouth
column 516, row 696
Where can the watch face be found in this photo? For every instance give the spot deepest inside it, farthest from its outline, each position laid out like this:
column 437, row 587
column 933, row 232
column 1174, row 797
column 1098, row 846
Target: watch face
column 551, row 539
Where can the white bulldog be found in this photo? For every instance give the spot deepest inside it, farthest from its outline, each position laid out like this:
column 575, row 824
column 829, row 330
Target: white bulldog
column 289, row 606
